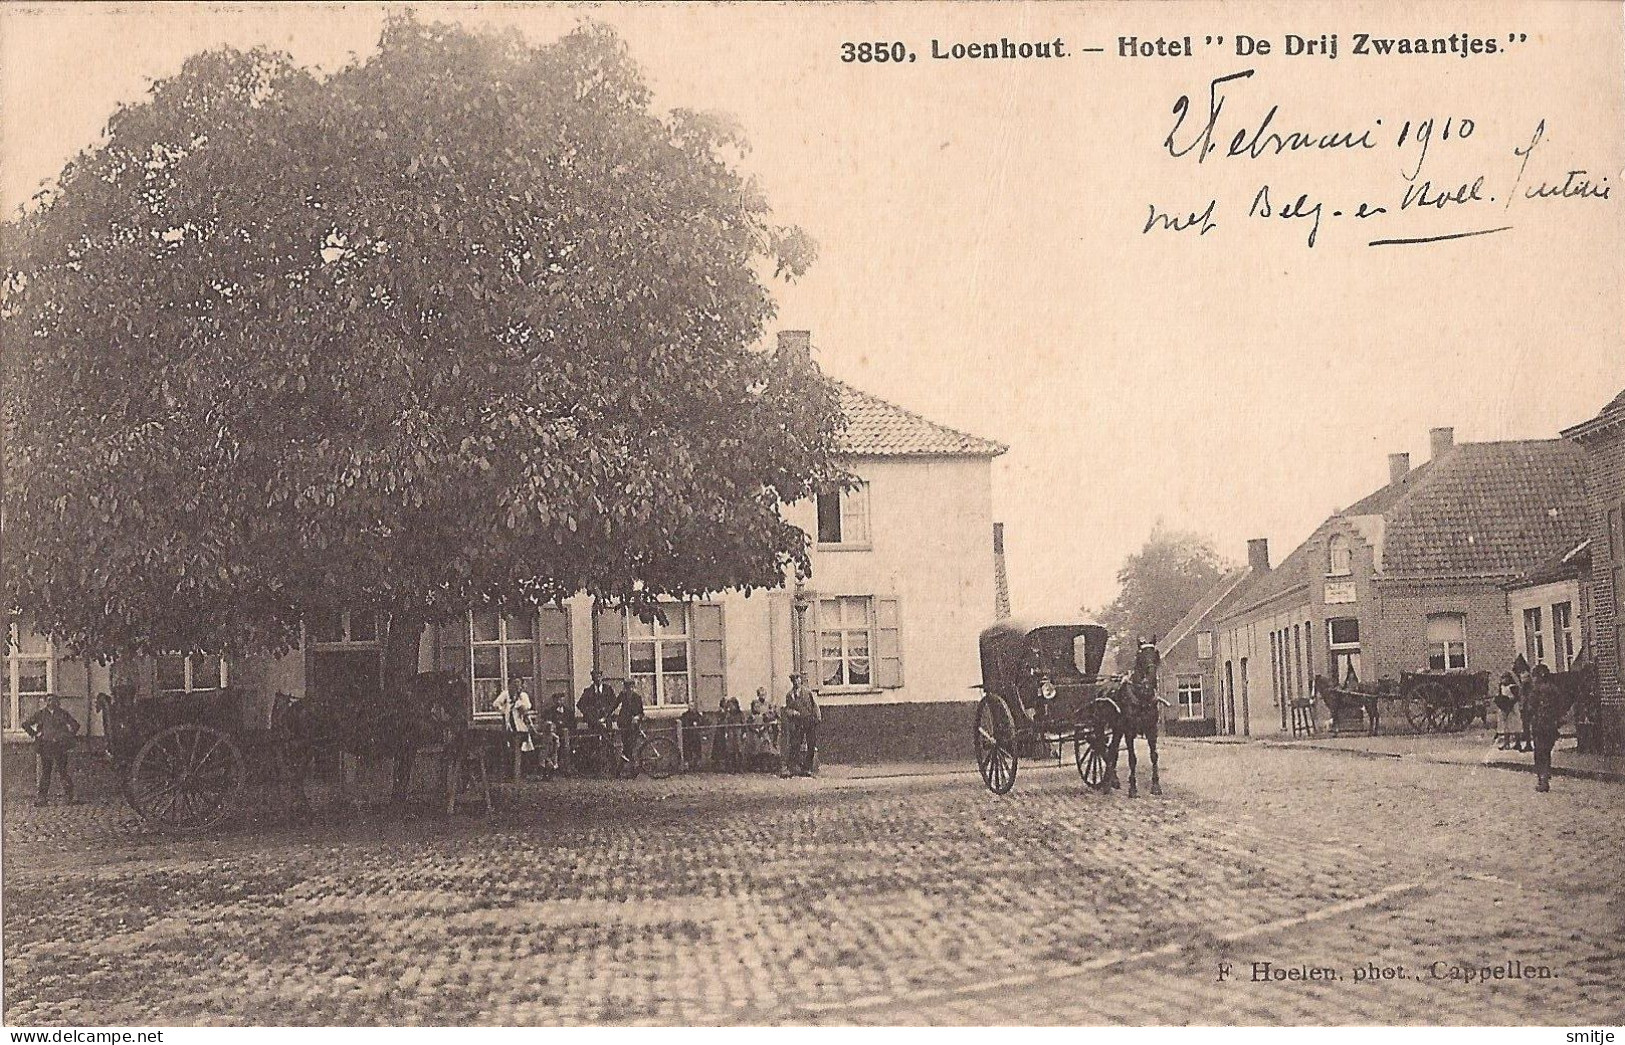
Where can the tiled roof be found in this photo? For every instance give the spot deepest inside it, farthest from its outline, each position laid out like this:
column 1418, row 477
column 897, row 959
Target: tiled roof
column 1611, row 415
column 1381, row 500
column 1488, row 510
column 1483, row 510
column 876, row 428
column 1575, row 562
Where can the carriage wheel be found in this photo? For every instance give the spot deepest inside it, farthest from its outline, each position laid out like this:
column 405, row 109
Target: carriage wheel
column 1090, row 746
column 1416, row 713
column 996, row 756
column 657, row 757
column 1435, row 706
column 186, row 779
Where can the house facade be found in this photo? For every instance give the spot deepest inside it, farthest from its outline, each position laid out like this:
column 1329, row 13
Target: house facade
column 1189, row 680
column 1410, row 578
column 1601, row 440
column 904, row 578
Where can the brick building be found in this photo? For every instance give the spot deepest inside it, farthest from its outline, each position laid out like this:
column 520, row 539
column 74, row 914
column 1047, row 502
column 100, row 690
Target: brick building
column 1189, row 679
column 1602, row 442
column 1410, row 578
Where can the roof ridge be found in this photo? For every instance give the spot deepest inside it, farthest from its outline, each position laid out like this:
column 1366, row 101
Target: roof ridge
column 1205, row 605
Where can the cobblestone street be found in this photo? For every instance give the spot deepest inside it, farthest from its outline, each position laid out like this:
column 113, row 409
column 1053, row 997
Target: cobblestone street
column 908, row 899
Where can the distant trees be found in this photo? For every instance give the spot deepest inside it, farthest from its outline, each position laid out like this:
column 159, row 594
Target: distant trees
column 464, row 322
column 1157, row 586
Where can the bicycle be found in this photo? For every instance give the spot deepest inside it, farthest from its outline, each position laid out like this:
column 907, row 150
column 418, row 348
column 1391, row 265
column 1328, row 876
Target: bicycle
column 599, row 753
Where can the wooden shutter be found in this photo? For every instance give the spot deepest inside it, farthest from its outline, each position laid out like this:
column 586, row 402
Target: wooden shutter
column 609, row 628
column 710, row 654
column 453, row 647
column 888, row 642
column 555, row 669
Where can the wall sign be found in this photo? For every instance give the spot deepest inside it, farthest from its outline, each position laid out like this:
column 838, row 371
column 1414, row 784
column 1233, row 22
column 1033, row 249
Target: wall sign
column 1339, row 593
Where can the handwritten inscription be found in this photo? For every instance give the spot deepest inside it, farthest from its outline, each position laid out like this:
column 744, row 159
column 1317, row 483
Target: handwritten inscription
column 1223, row 130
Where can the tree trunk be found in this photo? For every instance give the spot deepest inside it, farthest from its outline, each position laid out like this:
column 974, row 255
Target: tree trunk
column 401, row 653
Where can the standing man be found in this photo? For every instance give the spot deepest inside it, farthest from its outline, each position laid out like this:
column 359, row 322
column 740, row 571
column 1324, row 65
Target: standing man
column 801, row 708
column 1543, row 714
column 53, row 731
column 628, row 713
column 597, row 702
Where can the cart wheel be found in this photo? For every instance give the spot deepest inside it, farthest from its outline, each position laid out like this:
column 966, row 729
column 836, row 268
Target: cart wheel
column 1435, row 705
column 1416, row 713
column 1089, row 747
column 996, row 756
column 186, row 779
column 657, row 757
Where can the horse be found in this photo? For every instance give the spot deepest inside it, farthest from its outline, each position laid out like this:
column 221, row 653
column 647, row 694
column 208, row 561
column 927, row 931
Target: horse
column 1140, row 714
column 431, row 715
column 1339, row 702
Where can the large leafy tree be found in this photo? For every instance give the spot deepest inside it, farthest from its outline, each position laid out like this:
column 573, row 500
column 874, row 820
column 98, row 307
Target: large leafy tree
column 1157, row 586
column 465, row 322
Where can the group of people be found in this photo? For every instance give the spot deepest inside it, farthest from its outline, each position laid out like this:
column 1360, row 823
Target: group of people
column 738, row 739
column 1529, row 713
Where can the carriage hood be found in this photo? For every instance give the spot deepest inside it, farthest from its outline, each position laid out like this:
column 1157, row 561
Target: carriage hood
column 1069, row 650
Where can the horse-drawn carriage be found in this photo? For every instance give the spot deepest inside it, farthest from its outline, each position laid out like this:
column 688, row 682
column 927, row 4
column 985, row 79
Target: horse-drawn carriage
column 185, row 760
column 1427, row 702
column 1042, row 686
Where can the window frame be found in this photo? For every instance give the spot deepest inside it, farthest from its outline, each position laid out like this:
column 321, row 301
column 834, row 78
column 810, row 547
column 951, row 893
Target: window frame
column 1446, row 645
column 653, row 687
column 501, row 643
column 14, row 661
column 850, row 504
column 1338, row 547
column 346, row 640
column 1563, row 635
column 1182, row 687
column 846, row 658
column 1534, row 639
column 189, row 674
column 1344, row 652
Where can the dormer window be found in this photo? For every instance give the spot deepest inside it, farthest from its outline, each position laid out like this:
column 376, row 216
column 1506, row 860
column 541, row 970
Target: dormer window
column 1340, row 556
column 843, row 516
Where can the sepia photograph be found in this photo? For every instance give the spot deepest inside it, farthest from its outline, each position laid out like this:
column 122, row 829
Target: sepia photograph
column 807, row 515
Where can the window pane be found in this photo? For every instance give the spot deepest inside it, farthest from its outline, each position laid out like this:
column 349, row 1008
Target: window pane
column 32, row 676
column 674, row 658
column 1457, row 655
column 521, row 627
column 1446, row 627
column 829, row 646
column 829, row 517
column 858, row 673
column 171, row 674
column 26, row 706
column 834, row 673
column 522, row 666
column 637, row 628
column 676, row 626
column 643, row 658
column 1436, row 658
column 363, row 626
column 855, row 516
column 485, row 694
column 485, row 626
column 856, row 613
column 857, row 644
column 32, row 644
column 488, row 662
column 1345, row 630
column 324, row 627
column 205, row 672
column 675, row 689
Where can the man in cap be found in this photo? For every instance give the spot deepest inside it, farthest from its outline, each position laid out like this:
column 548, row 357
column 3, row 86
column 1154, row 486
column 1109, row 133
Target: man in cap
column 801, row 709
column 53, row 730
column 1543, row 716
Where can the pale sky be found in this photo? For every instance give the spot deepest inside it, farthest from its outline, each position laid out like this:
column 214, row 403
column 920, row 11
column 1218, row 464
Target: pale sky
column 982, row 260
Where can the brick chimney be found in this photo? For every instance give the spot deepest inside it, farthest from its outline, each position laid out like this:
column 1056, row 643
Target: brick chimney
column 1399, row 466
column 796, row 344
column 1441, row 440
column 1258, row 554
